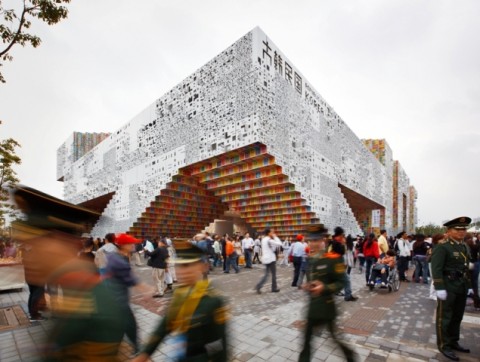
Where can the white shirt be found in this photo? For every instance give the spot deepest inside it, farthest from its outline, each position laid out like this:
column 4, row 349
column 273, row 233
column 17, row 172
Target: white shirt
column 404, row 247
column 268, row 249
column 149, row 246
column 257, row 244
column 247, row 243
column 298, row 249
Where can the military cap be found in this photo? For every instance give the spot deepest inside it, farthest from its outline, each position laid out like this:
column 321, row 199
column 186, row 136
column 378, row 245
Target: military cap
column 188, row 253
column 461, row 222
column 315, row 232
column 46, row 212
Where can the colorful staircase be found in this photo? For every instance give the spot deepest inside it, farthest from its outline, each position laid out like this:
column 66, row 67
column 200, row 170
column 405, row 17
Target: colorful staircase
column 246, row 181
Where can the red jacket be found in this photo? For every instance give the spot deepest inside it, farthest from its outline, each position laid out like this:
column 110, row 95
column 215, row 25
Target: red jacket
column 371, row 251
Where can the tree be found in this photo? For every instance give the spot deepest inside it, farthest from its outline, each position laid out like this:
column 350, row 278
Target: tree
column 15, row 22
column 430, row 229
column 8, row 176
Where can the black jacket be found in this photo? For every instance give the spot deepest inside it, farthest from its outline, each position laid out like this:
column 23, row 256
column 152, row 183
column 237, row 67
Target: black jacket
column 158, row 257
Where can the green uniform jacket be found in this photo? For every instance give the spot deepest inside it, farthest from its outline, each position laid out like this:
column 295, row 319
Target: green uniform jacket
column 328, row 268
column 450, row 257
column 88, row 324
column 206, row 338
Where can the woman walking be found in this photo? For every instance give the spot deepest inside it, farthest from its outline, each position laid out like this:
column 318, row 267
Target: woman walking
column 371, row 252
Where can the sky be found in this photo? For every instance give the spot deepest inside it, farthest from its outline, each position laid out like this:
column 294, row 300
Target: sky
column 404, row 70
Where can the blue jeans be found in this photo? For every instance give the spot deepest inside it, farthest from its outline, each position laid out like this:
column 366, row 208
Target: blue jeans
column 232, row 261
column 348, row 287
column 217, row 260
column 369, row 260
column 421, row 266
column 248, row 258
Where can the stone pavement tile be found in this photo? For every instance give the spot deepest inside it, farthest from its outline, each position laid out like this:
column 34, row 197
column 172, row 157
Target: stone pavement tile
column 242, row 347
column 418, row 352
column 384, row 343
column 333, row 358
column 360, row 350
column 243, row 357
column 11, row 359
column 284, row 353
column 376, row 358
column 264, row 354
column 327, row 348
column 395, row 357
column 8, row 353
column 254, row 349
column 321, row 355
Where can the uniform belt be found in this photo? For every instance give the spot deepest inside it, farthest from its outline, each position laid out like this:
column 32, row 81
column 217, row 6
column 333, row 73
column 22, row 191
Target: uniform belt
column 454, row 275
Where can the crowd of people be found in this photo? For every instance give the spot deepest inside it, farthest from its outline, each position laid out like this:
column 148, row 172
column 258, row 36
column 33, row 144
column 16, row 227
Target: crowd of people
column 88, row 280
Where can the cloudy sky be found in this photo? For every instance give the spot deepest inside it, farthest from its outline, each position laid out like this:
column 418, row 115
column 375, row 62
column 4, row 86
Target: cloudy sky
column 404, row 70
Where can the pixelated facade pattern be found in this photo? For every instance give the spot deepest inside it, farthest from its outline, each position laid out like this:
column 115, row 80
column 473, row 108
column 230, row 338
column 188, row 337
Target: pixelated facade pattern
column 247, row 94
column 76, row 146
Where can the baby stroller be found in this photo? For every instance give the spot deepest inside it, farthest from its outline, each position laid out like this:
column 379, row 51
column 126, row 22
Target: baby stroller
column 393, row 280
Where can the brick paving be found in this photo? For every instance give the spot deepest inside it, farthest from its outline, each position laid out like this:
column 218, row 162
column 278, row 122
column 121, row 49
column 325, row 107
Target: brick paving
column 380, row 326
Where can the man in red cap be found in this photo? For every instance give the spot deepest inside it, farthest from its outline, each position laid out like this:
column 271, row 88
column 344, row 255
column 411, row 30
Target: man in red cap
column 121, row 278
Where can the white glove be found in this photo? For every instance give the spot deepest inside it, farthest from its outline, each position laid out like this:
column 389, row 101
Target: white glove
column 442, row 294
column 470, row 292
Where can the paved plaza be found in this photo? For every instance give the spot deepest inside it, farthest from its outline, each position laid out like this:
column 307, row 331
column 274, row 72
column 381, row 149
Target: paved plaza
column 380, row 326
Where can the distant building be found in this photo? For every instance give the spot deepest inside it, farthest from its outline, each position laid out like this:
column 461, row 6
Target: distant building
column 244, row 137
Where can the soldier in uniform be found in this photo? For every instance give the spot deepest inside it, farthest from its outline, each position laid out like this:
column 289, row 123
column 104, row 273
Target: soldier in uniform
column 196, row 318
column 325, row 277
column 88, row 323
column 450, row 261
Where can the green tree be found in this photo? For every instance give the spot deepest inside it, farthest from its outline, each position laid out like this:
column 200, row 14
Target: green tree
column 8, row 177
column 16, row 22
column 430, row 229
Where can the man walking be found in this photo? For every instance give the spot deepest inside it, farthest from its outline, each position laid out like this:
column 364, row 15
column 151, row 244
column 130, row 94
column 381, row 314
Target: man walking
column 269, row 244
column 338, row 246
column 158, row 262
column 450, row 262
column 247, row 246
column 325, row 277
column 297, row 251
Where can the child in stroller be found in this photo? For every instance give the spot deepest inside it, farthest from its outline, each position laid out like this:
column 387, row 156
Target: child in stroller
column 381, row 269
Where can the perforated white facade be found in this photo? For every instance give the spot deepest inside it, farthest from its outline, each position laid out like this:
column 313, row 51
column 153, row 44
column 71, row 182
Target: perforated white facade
column 249, row 93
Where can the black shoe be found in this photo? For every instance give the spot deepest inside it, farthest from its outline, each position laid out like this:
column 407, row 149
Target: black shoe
column 258, row 290
column 459, row 348
column 450, row 355
column 275, row 290
column 351, row 299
